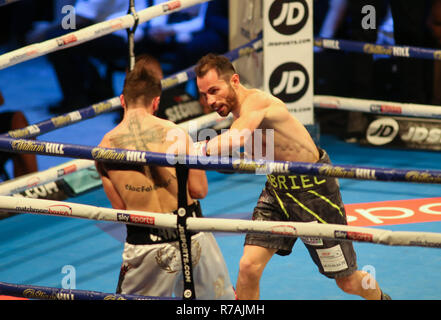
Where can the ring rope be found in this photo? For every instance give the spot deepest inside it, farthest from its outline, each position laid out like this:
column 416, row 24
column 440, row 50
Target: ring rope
column 49, row 293
column 36, row 179
column 72, row 38
column 66, row 119
column 55, row 173
column 92, row 32
column 58, row 172
column 373, row 48
column 218, row 163
column 113, row 104
column 131, row 34
column 282, row 228
column 377, row 106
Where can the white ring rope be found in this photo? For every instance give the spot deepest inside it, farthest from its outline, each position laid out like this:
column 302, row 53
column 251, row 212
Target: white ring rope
column 92, row 32
column 280, row 228
column 377, row 106
column 36, row 179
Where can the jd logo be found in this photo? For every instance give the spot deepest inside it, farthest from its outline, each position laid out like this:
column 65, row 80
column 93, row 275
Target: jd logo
column 288, row 16
column 382, row 131
column 289, row 82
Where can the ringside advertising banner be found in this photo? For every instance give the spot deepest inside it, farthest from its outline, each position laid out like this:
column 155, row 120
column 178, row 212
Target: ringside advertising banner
column 288, row 54
column 402, row 132
column 393, row 212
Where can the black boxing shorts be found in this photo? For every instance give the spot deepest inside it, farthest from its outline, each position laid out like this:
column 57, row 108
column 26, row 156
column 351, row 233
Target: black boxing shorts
column 309, row 199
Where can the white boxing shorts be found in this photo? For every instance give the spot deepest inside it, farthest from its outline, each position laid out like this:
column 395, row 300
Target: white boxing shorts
column 156, row 270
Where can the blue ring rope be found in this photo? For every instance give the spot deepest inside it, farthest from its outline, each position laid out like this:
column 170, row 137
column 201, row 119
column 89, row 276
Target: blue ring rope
column 115, row 155
column 373, row 48
column 49, row 293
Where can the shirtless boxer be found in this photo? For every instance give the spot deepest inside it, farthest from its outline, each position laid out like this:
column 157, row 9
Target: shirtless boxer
column 286, row 197
column 151, row 258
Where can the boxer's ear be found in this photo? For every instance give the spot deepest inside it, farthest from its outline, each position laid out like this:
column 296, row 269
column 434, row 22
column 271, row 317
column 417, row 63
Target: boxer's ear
column 121, row 99
column 155, row 104
column 234, row 80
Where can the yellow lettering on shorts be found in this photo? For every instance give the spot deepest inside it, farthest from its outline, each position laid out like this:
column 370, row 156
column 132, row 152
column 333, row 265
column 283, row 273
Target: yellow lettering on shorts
column 305, row 180
column 272, row 179
column 294, row 182
column 282, row 180
column 319, row 182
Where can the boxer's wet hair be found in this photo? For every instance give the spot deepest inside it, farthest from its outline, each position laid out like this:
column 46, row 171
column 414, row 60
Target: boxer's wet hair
column 221, row 64
column 141, row 83
column 149, row 62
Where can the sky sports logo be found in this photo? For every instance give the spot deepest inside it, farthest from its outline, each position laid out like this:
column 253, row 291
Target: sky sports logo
column 134, row 218
column 171, row 6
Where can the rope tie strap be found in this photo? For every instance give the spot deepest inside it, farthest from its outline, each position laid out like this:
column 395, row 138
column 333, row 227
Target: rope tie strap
column 131, row 34
column 184, row 236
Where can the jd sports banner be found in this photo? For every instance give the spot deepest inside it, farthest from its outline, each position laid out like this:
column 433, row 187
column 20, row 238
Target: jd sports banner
column 288, row 54
column 402, row 132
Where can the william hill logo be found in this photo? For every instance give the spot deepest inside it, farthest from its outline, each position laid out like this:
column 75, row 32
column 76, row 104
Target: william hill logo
column 104, row 154
column 35, row 147
column 109, row 154
column 24, row 145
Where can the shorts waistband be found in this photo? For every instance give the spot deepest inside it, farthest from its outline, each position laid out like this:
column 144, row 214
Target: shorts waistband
column 147, row 235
